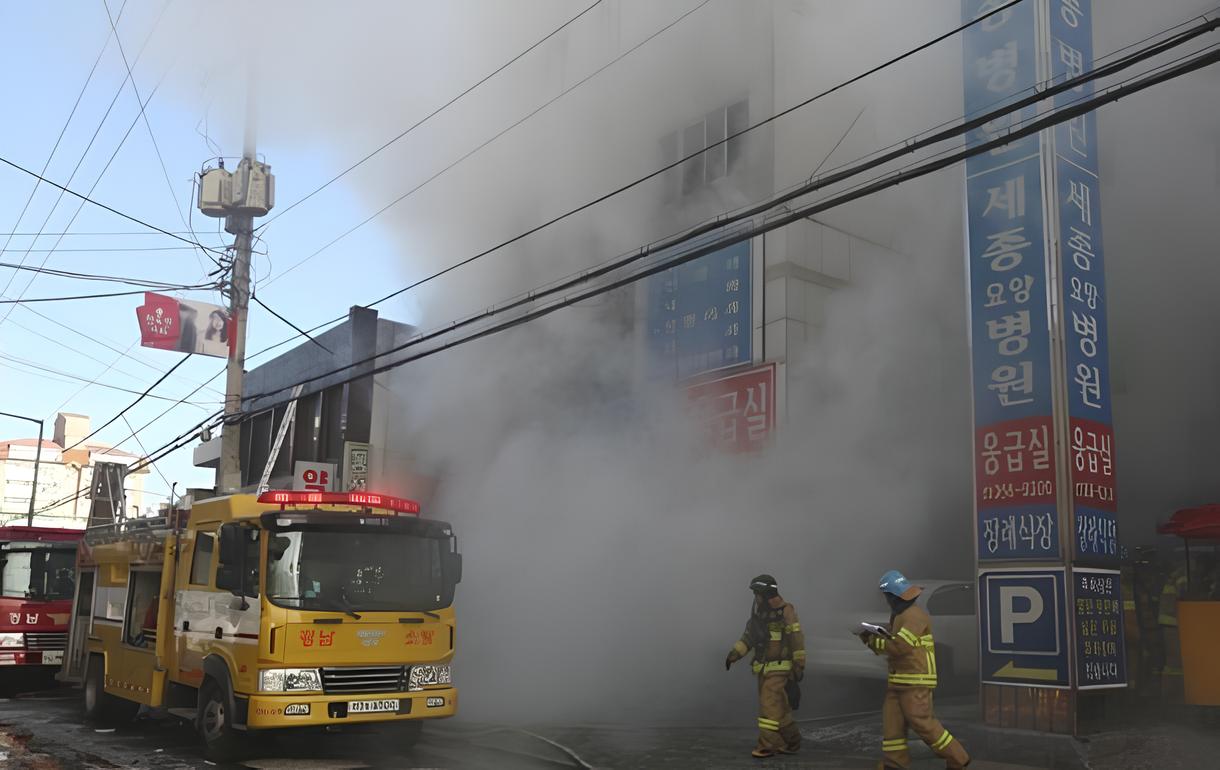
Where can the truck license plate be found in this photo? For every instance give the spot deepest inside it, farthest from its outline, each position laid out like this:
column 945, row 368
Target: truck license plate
column 371, row 706
column 53, row 658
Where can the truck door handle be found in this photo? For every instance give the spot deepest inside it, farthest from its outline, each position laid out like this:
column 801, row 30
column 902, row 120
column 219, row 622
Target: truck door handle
column 219, row 634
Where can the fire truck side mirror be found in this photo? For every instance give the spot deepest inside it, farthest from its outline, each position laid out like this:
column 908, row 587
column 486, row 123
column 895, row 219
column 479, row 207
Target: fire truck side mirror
column 452, row 567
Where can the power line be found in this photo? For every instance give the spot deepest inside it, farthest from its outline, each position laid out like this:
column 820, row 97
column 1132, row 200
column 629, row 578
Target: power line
column 118, row 41
column 93, row 276
column 106, row 207
column 58, row 139
column 99, row 250
column 122, row 354
column 79, row 162
column 806, row 102
column 140, row 444
column 1189, row 64
column 104, row 344
column 906, row 147
column 78, row 378
column 430, row 115
column 600, row 199
column 504, row 131
column 127, row 408
column 102, row 295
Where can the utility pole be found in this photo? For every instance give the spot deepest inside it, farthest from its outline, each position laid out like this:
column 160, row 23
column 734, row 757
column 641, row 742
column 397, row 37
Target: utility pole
column 242, row 226
column 239, row 197
column 37, row 460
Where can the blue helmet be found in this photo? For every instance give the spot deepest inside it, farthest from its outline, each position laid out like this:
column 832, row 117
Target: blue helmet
column 896, row 584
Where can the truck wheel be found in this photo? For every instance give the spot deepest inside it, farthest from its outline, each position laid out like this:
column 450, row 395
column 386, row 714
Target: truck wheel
column 221, row 743
column 100, row 706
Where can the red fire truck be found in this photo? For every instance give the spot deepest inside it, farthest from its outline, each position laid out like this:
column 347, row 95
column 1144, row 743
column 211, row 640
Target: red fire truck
column 37, row 582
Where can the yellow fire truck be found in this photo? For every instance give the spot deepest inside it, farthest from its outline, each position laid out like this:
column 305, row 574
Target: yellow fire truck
column 279, row 610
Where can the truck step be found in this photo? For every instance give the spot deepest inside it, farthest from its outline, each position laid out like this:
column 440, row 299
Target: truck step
column 183, row 713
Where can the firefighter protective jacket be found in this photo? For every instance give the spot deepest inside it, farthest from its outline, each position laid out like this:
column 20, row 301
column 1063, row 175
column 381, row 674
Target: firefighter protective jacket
column 778, row 641
column 912, row 654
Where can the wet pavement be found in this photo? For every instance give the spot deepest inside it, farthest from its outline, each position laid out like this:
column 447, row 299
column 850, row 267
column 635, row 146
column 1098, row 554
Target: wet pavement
column 45, row 731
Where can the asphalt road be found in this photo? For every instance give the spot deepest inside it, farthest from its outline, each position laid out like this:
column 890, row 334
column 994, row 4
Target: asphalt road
column 44, row 730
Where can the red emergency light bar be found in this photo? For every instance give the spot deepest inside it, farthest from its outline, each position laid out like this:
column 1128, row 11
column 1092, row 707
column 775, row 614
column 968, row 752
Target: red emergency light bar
column 396, row 504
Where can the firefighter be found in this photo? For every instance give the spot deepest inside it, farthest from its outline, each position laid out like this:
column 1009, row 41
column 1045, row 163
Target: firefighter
column 912, row 662
column 1167, row 618
column 774, row 633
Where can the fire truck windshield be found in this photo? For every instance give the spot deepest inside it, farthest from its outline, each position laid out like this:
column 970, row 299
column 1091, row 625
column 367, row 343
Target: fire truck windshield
column 356, row 571
column 37, row 571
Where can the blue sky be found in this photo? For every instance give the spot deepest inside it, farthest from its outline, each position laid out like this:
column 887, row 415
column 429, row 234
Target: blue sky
column 42, row 70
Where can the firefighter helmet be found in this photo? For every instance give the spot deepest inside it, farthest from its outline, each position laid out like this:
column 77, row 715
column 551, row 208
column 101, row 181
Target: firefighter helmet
column 896, row 584
column 764, row 584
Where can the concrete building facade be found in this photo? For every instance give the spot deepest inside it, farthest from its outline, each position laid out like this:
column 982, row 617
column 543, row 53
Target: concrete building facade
column 65, row 473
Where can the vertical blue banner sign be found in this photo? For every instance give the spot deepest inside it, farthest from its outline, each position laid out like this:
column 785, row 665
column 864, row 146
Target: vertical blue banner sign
column 699, row 316
column 1009, row 316
column 1085, row 331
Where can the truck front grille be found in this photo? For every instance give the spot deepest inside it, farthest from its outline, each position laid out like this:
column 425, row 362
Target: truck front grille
column 363, row 679
column 46, row 641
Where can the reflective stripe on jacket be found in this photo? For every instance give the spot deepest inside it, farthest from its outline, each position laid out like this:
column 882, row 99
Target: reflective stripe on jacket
column 784, row 647
column 1167, row 608
column 912, row 652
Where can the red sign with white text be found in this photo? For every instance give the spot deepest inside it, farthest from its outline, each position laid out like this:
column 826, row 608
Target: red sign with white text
column 738, row 409
column 1015, row 463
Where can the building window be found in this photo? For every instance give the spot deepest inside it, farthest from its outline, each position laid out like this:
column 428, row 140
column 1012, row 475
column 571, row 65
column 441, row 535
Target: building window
column 718, row 159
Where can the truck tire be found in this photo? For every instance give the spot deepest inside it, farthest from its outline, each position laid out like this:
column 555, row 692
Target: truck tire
column 100, row 706
column 221, row 742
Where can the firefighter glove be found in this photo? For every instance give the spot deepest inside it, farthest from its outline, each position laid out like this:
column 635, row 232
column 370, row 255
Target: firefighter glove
column 798, row 673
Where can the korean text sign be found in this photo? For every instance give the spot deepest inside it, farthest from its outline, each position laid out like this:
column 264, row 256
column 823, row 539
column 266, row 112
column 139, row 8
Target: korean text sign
column 1009, row 317
column 700, row 314
column 1100, row 658
column 1085, row 330
column 738, row 411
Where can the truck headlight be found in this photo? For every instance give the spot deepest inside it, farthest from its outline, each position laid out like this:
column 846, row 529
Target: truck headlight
column 426, row 675
column 289, row 680
column 12, row 640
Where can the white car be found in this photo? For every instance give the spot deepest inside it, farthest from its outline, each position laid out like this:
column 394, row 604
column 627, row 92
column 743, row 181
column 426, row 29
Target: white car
column 834, row 650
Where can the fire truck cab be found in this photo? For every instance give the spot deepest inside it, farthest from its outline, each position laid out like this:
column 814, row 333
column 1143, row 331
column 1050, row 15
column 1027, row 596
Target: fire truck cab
column 282, row 610
column 37, row 580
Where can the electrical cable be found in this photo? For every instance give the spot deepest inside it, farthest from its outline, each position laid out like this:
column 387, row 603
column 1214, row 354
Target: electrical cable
column 93, row 276
column 118, row 41
column 76, row 168
column 429, row 116
column 1033, row 89
column 78, row 378
column 100, row 341
column 108, row 208
column 58, row 139
column 127, row 408
column 1189, row 64
column 504, row 131
column 102, row 295
column 844, row 84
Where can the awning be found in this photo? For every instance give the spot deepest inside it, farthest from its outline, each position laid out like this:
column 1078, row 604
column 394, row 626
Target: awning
column 1200, row 523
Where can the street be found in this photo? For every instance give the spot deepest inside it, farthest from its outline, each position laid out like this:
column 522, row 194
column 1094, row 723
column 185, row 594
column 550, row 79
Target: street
column 45, row 731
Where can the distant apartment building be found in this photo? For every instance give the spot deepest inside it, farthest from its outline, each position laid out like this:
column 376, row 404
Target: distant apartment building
column 65, row 472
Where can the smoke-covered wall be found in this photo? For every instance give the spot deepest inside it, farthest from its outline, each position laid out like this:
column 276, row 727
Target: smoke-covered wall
column 607, row 550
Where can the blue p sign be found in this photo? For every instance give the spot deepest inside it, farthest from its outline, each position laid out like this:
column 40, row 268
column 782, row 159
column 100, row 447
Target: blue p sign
column 1023, row 613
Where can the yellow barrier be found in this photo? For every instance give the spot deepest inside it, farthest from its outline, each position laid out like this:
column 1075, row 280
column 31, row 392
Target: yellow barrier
column 1199, row 628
